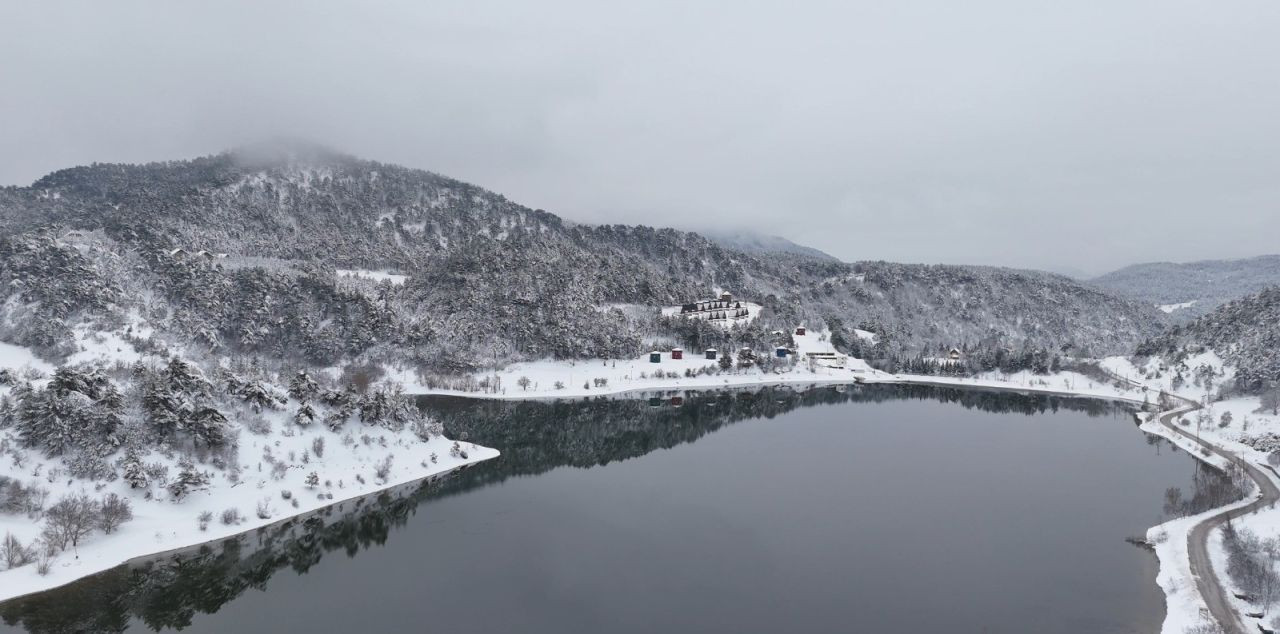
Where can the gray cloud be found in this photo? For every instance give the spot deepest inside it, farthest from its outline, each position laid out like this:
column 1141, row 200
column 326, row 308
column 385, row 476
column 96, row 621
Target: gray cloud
column 1048, row 134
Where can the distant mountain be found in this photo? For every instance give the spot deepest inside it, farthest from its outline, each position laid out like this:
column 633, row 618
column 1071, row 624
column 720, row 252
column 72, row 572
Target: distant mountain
column 1245, row 332
column 239, row 254
column 1189, row 290
column 752, row 242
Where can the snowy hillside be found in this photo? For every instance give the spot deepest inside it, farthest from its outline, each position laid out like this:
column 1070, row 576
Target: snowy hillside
column 1191, row 289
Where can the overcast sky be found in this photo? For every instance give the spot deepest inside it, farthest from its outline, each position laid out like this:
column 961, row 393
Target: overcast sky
column 1064, row 135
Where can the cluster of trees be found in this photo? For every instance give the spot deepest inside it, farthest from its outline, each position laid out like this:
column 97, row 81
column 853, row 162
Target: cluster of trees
column 1246, row 332
column 1251, row 564
column 76, row 415
column 66, row 523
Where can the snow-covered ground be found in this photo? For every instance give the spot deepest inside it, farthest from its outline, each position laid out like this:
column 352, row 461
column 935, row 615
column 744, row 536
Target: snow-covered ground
column 570, row 379
column 265, row 480
column 1168, row 308
column 377, row 276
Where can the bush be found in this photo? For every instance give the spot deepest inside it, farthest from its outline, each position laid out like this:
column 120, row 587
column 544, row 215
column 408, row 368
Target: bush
column 204, row 518
column 44, row 559
column 317, row 446
column 231, row 517
column 264, row 509
column 383, row 469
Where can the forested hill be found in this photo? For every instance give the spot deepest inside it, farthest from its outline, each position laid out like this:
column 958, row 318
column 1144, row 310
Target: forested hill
column 1189, row 290
column 239, row 253
column 752, row 242
column 1245, row 332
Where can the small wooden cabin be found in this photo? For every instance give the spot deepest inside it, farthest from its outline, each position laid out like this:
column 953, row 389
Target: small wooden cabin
column 800, row 331
column 655, row 357
column 711, row 354
column 781, row 352
column 677, row 353
column 954, row 355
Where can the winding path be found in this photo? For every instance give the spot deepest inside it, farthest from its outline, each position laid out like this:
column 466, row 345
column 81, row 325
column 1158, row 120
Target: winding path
column 1211, row 590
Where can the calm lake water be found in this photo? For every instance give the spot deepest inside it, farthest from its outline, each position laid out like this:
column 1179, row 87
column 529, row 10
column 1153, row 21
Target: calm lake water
column 873, row 509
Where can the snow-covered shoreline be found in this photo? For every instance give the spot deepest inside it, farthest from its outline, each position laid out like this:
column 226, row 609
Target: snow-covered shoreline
column 276, row 468
column 162, row 527
column 1184, row 605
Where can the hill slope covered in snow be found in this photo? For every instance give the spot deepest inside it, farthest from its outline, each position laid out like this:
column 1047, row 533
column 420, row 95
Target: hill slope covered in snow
column 1191, row 289
column 1244, row 332
column 473, row 278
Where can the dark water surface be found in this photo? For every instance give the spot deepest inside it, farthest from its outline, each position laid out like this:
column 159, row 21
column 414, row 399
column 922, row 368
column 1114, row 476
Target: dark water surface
column 876, row 509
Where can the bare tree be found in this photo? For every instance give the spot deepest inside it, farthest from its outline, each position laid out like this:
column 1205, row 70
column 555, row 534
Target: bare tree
column 14, row 553
column 115, row 511
column 71, row 519
column 524, row 383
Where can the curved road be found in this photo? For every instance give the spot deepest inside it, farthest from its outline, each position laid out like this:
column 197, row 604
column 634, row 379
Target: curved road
column 1214, row 594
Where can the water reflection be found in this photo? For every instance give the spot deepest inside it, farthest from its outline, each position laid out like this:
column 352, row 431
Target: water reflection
column 534, row 437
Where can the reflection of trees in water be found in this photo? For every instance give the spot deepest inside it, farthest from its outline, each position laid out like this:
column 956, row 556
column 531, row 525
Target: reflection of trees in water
column 1210, row 488
column 534, row 436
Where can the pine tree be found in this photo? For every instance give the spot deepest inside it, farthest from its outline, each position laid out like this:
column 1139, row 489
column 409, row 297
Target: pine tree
column 302, row 387
column 134, row 473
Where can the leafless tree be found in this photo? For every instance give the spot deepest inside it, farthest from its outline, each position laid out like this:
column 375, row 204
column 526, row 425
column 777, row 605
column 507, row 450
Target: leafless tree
column 115, row 511
column 71, row 519
column 15, row 554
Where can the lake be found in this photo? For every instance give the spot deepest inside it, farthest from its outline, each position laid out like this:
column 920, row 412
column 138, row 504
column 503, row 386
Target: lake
column 868, row 508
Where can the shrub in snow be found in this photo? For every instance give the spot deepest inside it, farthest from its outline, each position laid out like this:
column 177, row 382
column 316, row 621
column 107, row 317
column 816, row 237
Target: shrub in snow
column 559, row 385
column 286, row 494
column 15, row 498
column 203, row 519
column 383, row 469
column 231, row 516
column 264, row 509
column 15, row 555
column 317, row 446
column 115, row 511
column 313, row 479
column 45, row 556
